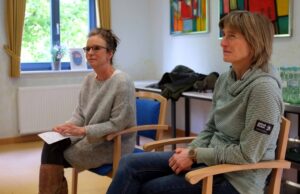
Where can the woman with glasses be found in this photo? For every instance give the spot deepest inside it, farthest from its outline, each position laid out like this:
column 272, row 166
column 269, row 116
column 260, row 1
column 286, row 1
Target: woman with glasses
column 106, row 104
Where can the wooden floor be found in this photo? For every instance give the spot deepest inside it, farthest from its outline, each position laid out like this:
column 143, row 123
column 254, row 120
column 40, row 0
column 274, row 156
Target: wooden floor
column 19, row 170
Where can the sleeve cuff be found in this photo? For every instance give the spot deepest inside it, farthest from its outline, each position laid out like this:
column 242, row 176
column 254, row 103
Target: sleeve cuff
column 205, row 155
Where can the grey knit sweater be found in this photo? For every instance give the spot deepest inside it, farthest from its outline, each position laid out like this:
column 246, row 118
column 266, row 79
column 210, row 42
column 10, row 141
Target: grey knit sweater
column 243, row 126
column 104, row 107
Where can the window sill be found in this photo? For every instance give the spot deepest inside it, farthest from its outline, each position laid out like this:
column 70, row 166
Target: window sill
column 55, row 72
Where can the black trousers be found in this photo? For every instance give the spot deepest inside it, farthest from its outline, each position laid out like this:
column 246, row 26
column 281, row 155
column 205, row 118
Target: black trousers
column 54, row 153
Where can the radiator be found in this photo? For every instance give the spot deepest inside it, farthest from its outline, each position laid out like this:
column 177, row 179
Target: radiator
column 41, row 108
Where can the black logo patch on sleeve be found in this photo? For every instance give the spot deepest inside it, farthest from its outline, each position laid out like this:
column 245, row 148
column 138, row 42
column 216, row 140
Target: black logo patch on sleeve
column 263, row 127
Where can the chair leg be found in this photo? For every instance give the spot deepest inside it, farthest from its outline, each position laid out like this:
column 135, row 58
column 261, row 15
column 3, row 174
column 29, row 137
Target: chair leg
column 74, row 180
column 207, row 185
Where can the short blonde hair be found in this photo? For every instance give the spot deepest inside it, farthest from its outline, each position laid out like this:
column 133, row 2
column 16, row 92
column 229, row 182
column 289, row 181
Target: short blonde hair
column 258, row 32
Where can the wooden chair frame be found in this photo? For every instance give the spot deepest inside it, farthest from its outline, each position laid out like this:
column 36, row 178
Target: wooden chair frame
column 116, row 137
column 206, row 174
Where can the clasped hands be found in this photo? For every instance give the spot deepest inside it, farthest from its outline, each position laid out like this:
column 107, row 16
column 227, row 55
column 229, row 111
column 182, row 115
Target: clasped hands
column 69, row 129
column 180, row 161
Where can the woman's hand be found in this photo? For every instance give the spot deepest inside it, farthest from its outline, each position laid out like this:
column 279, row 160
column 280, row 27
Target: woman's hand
column 69, row 129
column 180, row 161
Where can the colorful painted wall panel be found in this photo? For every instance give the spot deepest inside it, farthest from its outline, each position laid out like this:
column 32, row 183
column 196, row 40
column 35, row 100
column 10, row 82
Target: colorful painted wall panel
column 278, row 11
column 188, row 16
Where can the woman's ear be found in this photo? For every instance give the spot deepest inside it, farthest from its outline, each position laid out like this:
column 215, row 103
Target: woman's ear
column 110, row 55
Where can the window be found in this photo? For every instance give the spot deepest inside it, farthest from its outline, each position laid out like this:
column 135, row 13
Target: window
column 54, row 22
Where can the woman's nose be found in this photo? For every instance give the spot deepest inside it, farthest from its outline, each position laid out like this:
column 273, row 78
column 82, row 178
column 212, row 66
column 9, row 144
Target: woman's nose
column 224, row 42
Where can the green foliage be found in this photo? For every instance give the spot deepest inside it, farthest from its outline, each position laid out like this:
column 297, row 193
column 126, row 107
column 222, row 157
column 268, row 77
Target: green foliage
column 74, row 20
column 36, row 45
column 36, row 33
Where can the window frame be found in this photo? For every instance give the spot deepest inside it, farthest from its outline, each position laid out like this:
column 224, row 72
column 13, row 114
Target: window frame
column 55, row 37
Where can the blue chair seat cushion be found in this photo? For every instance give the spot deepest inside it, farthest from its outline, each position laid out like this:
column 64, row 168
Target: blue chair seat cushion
column 138, row 150
column 105, row 169
column 102, row 170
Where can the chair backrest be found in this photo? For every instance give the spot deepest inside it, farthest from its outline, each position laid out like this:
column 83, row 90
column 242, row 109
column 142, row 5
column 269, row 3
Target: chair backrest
column 274, row 184
column 150, row 109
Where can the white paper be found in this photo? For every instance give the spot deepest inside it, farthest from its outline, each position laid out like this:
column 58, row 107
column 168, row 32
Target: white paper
column 52, row 137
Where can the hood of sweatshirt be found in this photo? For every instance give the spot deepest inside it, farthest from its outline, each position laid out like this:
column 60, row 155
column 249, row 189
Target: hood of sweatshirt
column 252, row 76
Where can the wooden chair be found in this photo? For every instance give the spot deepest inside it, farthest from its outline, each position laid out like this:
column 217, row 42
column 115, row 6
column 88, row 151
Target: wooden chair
column 150, row 105
column 206, row 174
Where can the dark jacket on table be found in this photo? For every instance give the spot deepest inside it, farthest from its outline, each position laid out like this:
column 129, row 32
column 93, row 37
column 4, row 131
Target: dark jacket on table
column 182, row 79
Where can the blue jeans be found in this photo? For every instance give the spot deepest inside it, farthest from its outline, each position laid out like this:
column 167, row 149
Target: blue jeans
column 149, row 173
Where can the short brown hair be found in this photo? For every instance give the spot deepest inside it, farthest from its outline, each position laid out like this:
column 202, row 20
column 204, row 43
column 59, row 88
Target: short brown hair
column 258, row 32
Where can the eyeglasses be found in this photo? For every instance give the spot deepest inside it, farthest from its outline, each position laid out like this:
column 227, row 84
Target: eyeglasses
column 94, row 48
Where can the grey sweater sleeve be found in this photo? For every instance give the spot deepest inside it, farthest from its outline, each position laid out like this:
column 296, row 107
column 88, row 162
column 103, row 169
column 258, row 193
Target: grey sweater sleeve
column 205, row 135
column 78, row 117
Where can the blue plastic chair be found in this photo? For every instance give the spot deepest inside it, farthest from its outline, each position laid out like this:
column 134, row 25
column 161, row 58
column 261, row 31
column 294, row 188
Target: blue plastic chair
column 151, row 115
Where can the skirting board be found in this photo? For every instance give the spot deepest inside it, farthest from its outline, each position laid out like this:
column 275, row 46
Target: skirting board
column 19, row 139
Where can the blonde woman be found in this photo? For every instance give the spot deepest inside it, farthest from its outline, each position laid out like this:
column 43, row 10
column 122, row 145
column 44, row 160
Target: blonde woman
column 242, row 128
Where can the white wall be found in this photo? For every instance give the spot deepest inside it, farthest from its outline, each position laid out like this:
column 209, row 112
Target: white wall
column 147, row 50
column 130, row 21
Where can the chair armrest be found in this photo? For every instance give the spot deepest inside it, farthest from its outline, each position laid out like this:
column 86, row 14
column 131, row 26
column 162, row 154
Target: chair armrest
column 136, row 129
column 195, row 176
column 161, row 143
